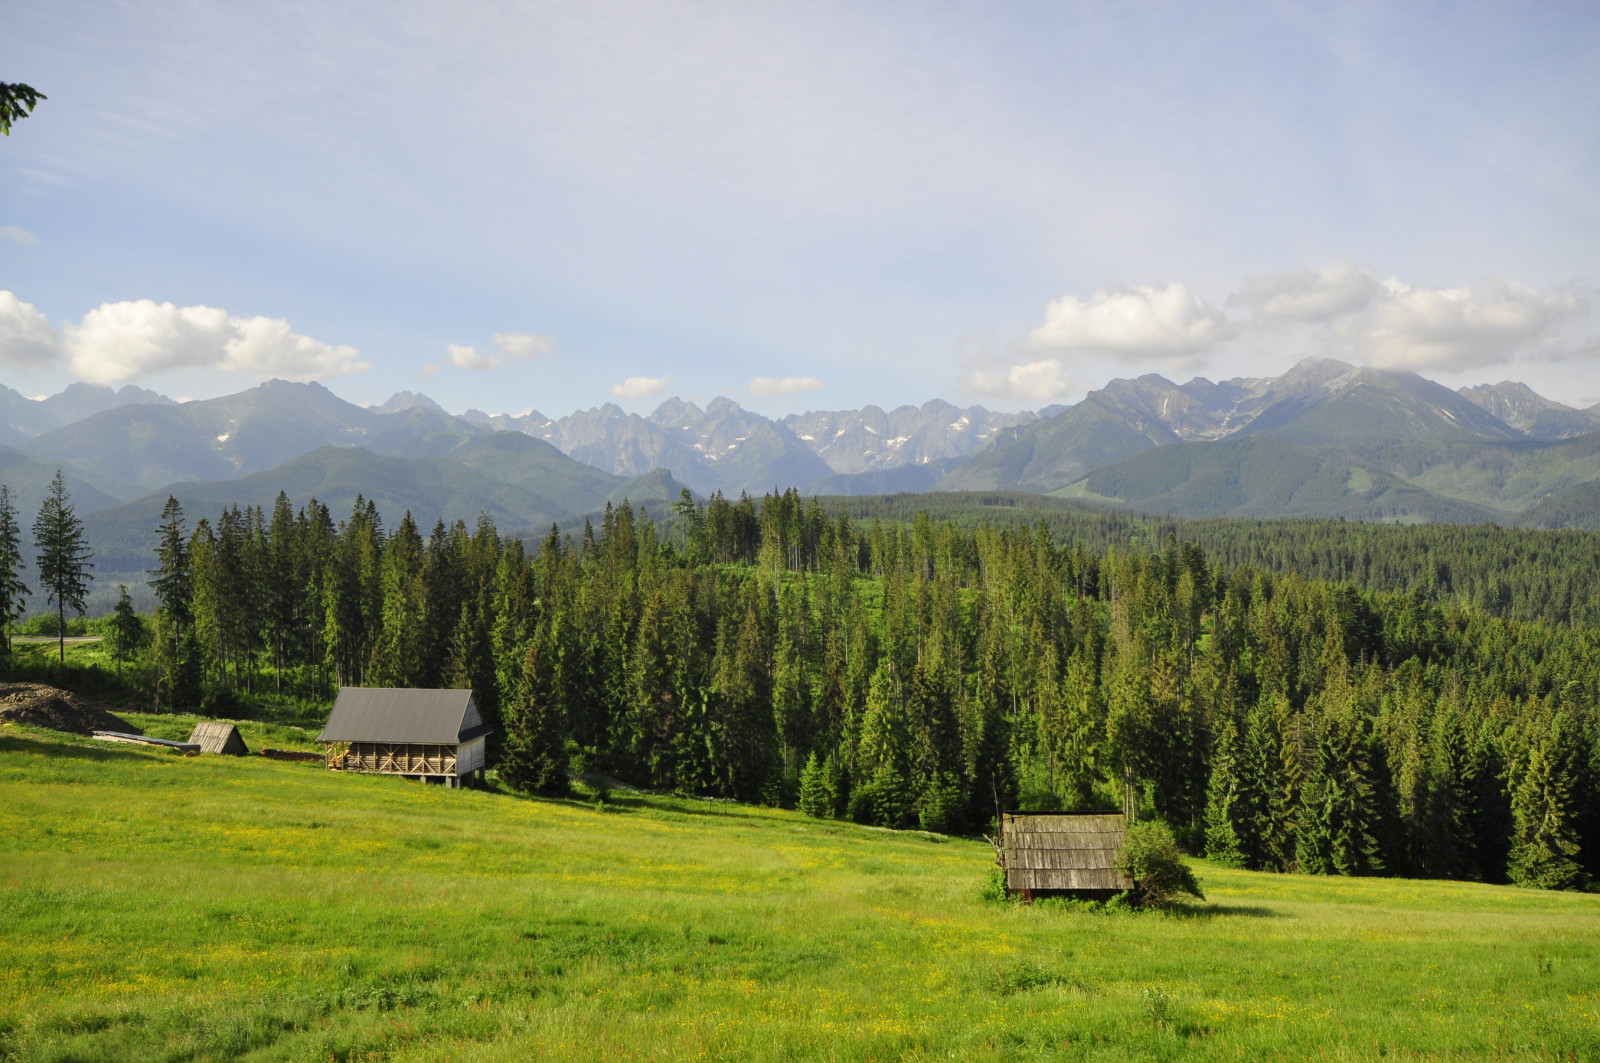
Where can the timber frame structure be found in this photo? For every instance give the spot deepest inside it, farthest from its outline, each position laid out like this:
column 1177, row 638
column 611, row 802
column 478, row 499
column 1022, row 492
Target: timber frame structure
column 435, row 736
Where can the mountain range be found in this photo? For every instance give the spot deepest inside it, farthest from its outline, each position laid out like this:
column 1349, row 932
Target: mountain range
column 1324, row 439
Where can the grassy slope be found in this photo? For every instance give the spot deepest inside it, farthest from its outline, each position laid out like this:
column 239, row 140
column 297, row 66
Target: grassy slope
column 160, row 907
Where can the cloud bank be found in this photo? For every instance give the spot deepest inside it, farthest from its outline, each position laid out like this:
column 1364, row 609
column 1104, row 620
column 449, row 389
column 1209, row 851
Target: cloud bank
column 118, row 342
column 16, row 234
column 1396, row 325
column 766, row 387
column 1133, row 323
column 641, row 387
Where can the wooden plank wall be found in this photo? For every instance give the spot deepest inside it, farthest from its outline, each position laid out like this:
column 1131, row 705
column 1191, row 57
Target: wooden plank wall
column 1048, row 851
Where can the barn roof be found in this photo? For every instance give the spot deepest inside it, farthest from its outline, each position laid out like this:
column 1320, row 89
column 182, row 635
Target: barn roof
column 403, row 714
column 215, row 736
column 1050, row 851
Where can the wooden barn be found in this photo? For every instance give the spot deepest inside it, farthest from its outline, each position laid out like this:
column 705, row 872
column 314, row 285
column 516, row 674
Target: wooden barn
column 214, row 736
column 1051, row 854
column 436, row 736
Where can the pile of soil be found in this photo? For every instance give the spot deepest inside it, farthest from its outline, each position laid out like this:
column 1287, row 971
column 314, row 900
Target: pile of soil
column 59, row 710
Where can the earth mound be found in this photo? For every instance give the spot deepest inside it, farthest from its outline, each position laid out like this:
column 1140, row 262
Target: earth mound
column 59, row 710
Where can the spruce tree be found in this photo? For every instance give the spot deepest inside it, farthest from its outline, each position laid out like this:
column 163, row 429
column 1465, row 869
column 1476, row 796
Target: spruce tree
column 126, row 628
column 534, row 760
column 1222, row 799
column 1544, row 846
column 13, row 592
column 817, row 796
column 62, row 558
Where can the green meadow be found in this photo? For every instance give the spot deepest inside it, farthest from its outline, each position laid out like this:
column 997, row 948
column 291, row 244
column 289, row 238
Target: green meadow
column 161, row 907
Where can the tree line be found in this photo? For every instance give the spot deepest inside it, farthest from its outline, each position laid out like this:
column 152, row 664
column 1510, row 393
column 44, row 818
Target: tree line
column 921, row 673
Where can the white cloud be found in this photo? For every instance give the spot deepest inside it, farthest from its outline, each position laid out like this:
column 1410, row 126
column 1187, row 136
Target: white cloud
column 1133, row 323
column 27, row 339
column 641, row 387
column 520, row 346
column 1309, row 296
column 1485, row 324
column 523, row 346
column 1009, row 380
column 16, row 234
column 767, row 387
column 117, row 342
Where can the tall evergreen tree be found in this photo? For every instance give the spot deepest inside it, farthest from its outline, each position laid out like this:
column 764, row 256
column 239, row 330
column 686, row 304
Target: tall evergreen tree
column 1544, row 847
column 63, row 556
column 534, row 760
column 13, row 592
column 127, row 630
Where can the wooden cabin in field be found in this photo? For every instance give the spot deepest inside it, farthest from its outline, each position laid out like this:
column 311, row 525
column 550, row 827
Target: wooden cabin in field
column 1052, row 854
column 214, row 736
column 435, row 736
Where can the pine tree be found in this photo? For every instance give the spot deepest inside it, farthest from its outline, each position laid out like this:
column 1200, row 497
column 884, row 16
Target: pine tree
column 63, row 557
column 1544, row 847
column 534, row 760
column 13, row 592
column 817, row 795
column 1222, row 799
column 127, row 630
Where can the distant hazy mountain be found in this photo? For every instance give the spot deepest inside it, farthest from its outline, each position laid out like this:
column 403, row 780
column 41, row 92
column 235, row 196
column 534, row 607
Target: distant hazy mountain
column 1259, row 476
column 524, row 484
column 1530, row 413
column 22, row 418
column 853, row 441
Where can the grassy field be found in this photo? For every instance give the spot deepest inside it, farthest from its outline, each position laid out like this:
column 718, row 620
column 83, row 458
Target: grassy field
column 159, row 907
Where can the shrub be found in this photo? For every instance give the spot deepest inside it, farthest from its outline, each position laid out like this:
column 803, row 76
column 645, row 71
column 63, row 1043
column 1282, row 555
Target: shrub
column 1150, row 856
column 993, row 889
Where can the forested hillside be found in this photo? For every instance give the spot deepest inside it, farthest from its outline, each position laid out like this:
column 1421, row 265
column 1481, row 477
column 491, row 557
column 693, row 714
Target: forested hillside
column 921, row 673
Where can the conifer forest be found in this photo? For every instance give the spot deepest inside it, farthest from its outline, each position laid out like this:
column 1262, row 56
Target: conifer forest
column 930, row 673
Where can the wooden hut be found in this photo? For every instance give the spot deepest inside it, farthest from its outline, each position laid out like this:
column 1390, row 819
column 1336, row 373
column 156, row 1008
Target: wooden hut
column 1047, row 853
column 214, row 736
column 435, row 736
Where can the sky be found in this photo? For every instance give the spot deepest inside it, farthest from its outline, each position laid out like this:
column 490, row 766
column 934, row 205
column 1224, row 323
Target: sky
column 800, row 206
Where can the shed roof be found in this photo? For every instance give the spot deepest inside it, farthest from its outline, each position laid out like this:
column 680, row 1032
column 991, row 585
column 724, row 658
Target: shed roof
column 1050, row 851
column 215, row 736
column 403, row 714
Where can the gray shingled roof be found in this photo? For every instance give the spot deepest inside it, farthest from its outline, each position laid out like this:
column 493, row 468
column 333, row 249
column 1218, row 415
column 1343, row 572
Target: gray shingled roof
column 403, row 714
column 1053, row 851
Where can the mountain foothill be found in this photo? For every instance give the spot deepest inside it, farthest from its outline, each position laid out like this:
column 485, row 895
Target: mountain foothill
column 1325, row 439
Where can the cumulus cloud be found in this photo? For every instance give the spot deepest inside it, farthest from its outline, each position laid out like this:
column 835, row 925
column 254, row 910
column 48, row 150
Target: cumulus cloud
column 767, row 387
column 523, row 346
column 27, row 339
column 1133, row 323
column 641, row 387
column 518, row 346
column 1012, row 379
column 1491, row 322
column 1309, row 296
column 117, row 342
column 16, row 234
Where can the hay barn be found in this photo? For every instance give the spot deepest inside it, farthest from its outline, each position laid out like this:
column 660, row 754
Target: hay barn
column 435, row 736
column 1049, row 854
column 215, row 737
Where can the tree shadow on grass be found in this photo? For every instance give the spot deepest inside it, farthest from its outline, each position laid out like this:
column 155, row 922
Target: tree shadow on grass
column 1223, row 911
column 72, row 750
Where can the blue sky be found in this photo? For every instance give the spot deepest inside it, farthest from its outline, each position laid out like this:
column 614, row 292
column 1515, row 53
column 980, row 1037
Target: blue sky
column 799, row 206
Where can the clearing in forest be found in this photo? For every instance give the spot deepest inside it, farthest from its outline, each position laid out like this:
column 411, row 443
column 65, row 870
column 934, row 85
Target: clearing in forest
column 157, row 906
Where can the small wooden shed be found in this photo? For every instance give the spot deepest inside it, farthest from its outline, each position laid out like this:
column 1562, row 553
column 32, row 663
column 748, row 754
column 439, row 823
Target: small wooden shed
column 436, row 736
column 215, row 736
column 1049, row 853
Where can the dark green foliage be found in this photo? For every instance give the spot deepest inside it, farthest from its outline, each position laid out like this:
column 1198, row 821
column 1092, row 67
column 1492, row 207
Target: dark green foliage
column 13, row 592
column 62, row 556
column 17, row 101
column 1150, row 856
column 1544, row 847
column 127, row 629
column 534, row 759
column 819, row 796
